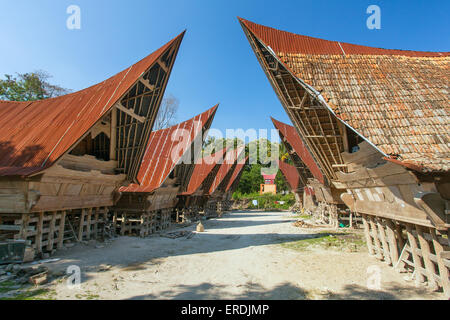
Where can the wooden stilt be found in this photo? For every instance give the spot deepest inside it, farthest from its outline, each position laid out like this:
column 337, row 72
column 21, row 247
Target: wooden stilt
column 25, row 225
column 114, row 222
column 88, row 224
column 81, row 229
column 376, row 240
column 393, row 248
column 416, row 258
column 368, row 235
column 429, row 265
column 51, row 232
column 96, row 217
column 443, row 269
column 381, row 231
column 40, row 226
column 62, row 223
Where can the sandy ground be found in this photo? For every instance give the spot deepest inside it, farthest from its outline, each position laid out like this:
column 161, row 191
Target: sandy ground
column 239, row 256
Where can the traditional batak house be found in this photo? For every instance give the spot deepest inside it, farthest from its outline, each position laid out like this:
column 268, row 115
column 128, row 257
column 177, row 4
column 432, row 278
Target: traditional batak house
column 293, row 180
column 194, row 195
column 323, row 201
column 377, row 123
column 62, row 159
column 217, row 190
column 233, row 183
column 148, row 206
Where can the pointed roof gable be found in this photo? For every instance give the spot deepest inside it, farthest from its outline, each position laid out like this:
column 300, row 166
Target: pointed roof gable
column 34, row 134
column 228, row 164
column 397, row 100
column 165, row 150
column 236, row 173
column 291, row 175
column 203, row 169
column 292, row 137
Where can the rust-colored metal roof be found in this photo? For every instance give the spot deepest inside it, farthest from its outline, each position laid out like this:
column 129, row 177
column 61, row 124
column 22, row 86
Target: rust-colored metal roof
column 33, row 135
column 292, row 137
column 202, row 170
column 396, row 99
column 165, row 149
column 236, row 173
column 287, row 42
column 291, row 175
column 228, row 164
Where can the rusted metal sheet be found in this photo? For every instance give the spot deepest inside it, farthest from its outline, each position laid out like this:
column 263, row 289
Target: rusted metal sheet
column 292, row 137
column 165, row 149
column 33, row 135
column 291, row 175
column 395, row 99
column 287, row 42
column 237, row 173
column 229, row 162
column 203, row 169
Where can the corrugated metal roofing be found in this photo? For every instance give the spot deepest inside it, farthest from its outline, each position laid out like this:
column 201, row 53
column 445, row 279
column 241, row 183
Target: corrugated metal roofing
column 202, row 170
column 291, row 175
column 33, row 135
column 236, row 173
column 287, row 42
column 164, row 151
column 396, row 99
column 292, row 137
column 228, row 163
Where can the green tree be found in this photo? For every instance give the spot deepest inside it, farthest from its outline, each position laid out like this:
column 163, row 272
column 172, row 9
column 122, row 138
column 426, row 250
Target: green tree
column 29, row 87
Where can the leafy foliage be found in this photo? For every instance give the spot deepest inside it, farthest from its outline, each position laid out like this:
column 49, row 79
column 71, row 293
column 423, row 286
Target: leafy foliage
column 29, row 87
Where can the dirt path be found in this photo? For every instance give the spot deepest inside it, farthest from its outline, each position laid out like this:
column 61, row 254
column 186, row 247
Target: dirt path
column 243, row 255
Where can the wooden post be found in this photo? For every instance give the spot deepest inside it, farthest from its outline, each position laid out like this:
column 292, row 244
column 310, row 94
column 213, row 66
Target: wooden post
column 96, row 216
column 25, row 225
column 386, row 254
column 393, row 249
column 367, row 234
column 399, row 233
column 51, row 232
column 373, row 226
column 88, row 224
column 114, row 221
column 443, row 270
column 122, row 224
column 81, row 229
column 416, row 258
column 40, row 226
column 429, row 265
column 62, row 223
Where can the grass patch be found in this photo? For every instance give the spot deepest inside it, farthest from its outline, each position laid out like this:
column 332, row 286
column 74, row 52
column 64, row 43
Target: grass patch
column 349, row 242
column 33, row 294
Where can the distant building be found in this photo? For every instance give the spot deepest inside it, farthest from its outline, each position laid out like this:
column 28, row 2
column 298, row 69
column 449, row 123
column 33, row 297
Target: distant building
column 269, row 185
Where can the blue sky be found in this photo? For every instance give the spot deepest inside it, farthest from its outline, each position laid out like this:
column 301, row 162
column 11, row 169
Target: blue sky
column 215, row 62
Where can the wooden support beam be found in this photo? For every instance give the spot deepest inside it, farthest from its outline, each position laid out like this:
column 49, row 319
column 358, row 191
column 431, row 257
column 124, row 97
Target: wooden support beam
column 426, row 252
column 81, row 229
column 96, row 217
column 62, row 223
column 376, row 240
column 88, row 224
column 386, row 254
column 163, row 65
column 368, row 234
column 129, row 112
column 393, row 248
column 146, row 83
column 51, row 232
column 39, row 229
column 443, row 269
column 25, row 224
column 416, row 258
